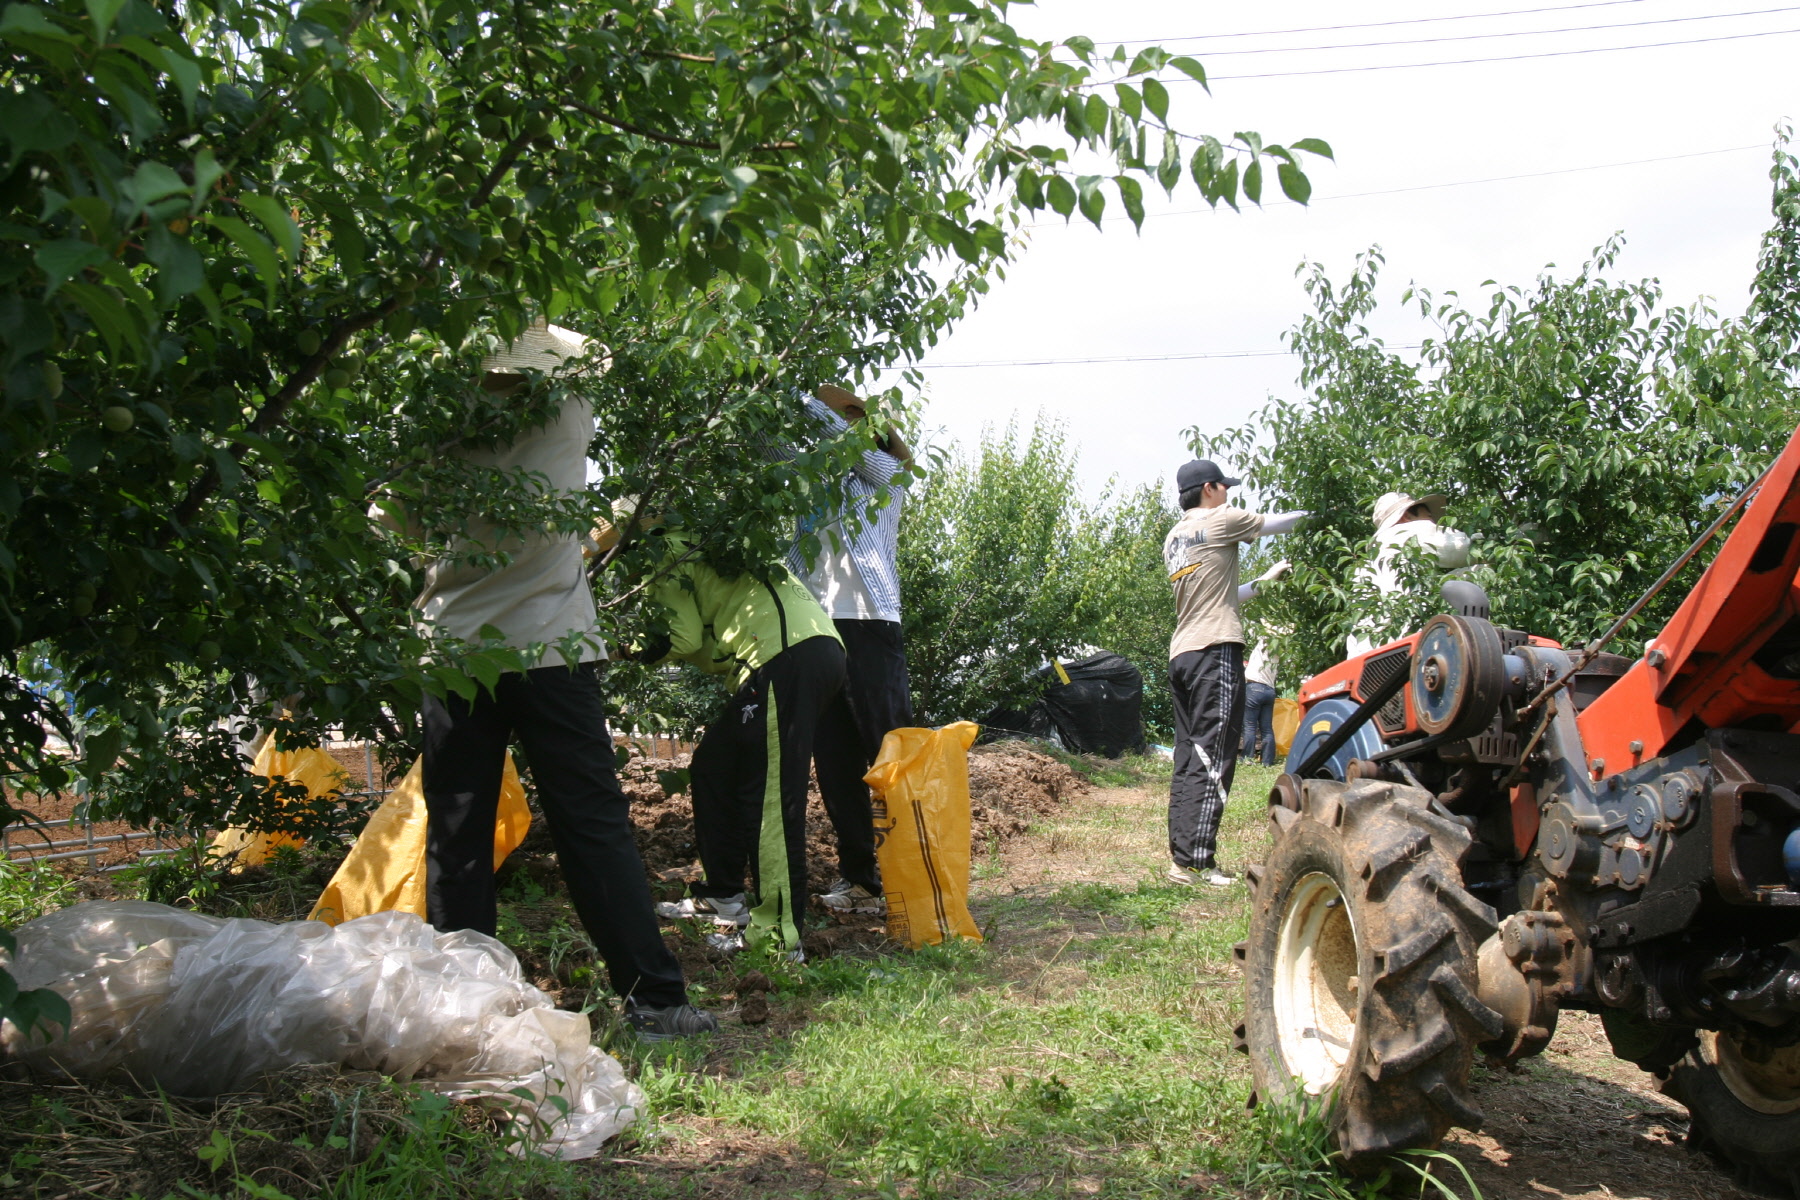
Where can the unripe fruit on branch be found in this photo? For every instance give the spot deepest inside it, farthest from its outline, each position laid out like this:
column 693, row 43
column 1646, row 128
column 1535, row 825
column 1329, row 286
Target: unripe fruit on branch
column 53, row 380
column 117, row 418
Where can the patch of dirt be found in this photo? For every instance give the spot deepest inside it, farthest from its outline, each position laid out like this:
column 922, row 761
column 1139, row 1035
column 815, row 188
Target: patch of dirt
column 1575, row 1123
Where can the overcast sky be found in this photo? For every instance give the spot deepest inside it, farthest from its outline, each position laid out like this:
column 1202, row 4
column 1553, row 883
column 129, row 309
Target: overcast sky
column 1224, row 283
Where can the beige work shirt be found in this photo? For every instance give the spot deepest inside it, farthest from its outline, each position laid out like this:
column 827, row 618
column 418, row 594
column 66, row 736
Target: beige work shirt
column 1201, row 554
column 541, row 594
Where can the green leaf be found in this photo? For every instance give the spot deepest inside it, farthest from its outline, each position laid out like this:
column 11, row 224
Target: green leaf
column 1190, row 68
column 276, row 219
column 1253, row 181
column 1093, row 200
column 1314, row 146
column 1156, row 99
column 255, row 248
column 206, row 172
column 103, row 13
column 29, row 19
column 1130, row 103
column 100, row 751
column 1061, row 195
column 1131, row 194
column 63, row 260
column 1294, row 183
column 230, row 473
column 153, row 180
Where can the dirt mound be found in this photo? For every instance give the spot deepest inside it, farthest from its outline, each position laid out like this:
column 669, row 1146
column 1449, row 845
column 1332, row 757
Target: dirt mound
column 1010, row 786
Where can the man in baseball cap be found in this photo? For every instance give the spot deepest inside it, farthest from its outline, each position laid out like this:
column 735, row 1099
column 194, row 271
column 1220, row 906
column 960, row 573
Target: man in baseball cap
column 1206, row 659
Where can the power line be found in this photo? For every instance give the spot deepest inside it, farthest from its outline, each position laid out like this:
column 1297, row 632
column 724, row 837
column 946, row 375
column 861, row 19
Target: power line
column 1427, row 187
column 1464, row 62
column 1512, row 33
column 1516, row 12
column 1122, row 358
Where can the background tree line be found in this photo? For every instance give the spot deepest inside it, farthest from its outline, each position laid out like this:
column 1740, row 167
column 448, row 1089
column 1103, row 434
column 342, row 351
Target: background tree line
column 1585, row 432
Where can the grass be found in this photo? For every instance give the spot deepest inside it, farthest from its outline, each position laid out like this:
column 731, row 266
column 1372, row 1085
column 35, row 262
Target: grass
column 1083, row 1049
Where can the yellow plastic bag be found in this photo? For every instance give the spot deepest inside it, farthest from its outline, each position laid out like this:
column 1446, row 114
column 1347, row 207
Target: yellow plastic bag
column 386, row 868
column 921, row 782
column 312, row 767
column 1287, row 723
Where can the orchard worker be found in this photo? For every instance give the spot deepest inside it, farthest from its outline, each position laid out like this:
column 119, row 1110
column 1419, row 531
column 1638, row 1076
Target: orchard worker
column 1259, row 702
column 750, row 772
column 538, row 598
column 1206, row 659
column 1402, row 521
column 856, row 578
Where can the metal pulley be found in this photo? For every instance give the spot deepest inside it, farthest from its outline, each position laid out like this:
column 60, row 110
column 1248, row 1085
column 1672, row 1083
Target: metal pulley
column 1458, row 676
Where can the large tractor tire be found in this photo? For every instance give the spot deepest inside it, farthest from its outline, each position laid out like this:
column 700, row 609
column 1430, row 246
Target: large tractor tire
column 1360, row 969
column 1745, row 1113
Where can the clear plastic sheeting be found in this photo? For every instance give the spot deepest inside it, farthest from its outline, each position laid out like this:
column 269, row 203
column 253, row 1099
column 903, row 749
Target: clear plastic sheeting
column 201, row 1006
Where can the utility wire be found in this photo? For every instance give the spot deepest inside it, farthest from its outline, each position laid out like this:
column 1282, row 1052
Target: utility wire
column 1122, row 358
column 1428, row 187
column 1516, row 12
column 1512, row 33
column 1464, row 62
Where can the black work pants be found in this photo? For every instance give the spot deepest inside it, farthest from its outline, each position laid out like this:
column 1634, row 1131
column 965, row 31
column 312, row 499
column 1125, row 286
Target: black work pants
column 876, row 697
column 749, row 778
column 1208, row 690
column 1259, row 722
column 559, row 718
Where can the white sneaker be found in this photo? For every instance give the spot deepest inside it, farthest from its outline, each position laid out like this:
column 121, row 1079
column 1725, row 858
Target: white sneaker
column 1180, row 874
column 1218, row 878
column 721, row 910
column 726, row 942
column 853, row 898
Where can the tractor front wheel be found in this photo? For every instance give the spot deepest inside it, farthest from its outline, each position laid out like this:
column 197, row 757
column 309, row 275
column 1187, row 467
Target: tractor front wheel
column 1360, row 969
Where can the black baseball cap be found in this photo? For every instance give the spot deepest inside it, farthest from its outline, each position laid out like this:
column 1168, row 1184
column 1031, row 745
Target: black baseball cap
column 1202, row 470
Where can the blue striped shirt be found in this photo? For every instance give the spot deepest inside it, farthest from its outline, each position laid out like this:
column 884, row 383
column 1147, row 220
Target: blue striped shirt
column 855, row 576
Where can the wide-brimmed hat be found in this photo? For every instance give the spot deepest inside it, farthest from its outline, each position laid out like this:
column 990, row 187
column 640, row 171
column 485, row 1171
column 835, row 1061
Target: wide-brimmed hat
column 1394, row 505
column 837, row 399
column 541, row 347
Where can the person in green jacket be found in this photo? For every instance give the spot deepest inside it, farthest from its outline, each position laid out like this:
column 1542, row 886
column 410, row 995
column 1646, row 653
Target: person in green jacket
column 750, row 772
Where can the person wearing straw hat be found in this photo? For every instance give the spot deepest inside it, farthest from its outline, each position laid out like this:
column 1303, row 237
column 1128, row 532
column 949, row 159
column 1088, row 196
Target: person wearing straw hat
column 1402, row 520
column 1206, row 659
column 856, row 577
column 538, row 598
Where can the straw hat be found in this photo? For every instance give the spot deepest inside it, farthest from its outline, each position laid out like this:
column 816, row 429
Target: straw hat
column 1394, row 505
column 837, row 399
column 541, row 347
column 607, row 533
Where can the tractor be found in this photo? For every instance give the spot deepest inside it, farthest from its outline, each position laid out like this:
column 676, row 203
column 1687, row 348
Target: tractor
column 1478, row 828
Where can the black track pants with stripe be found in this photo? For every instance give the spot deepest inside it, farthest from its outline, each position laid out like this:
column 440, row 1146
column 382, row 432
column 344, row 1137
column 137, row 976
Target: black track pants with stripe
column 749, row 776
column 1208, row 689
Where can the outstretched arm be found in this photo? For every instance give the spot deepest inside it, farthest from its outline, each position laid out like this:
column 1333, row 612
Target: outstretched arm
column 1251, row 590
column 1276, row 523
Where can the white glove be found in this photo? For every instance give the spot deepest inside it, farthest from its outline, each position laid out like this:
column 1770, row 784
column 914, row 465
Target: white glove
column 1453, row 551
column 1279, row 571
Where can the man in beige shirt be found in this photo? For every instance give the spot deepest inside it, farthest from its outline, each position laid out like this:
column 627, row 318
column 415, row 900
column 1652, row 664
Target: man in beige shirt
column 1206, row 659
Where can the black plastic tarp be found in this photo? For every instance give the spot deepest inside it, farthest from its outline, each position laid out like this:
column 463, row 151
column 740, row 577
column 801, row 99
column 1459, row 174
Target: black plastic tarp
column 1100, row 710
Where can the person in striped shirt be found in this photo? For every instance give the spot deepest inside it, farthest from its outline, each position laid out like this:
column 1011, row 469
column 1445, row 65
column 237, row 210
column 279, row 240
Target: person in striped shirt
column 854, row 575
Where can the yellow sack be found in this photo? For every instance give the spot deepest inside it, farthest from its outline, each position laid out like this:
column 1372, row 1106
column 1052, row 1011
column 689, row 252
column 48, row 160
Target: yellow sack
column 385, row 870
column 921, row 782
column 1287, row 723
column 312, row 767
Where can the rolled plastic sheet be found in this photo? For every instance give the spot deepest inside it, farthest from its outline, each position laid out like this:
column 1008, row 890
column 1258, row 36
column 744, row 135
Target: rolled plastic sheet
column 203, row 1006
